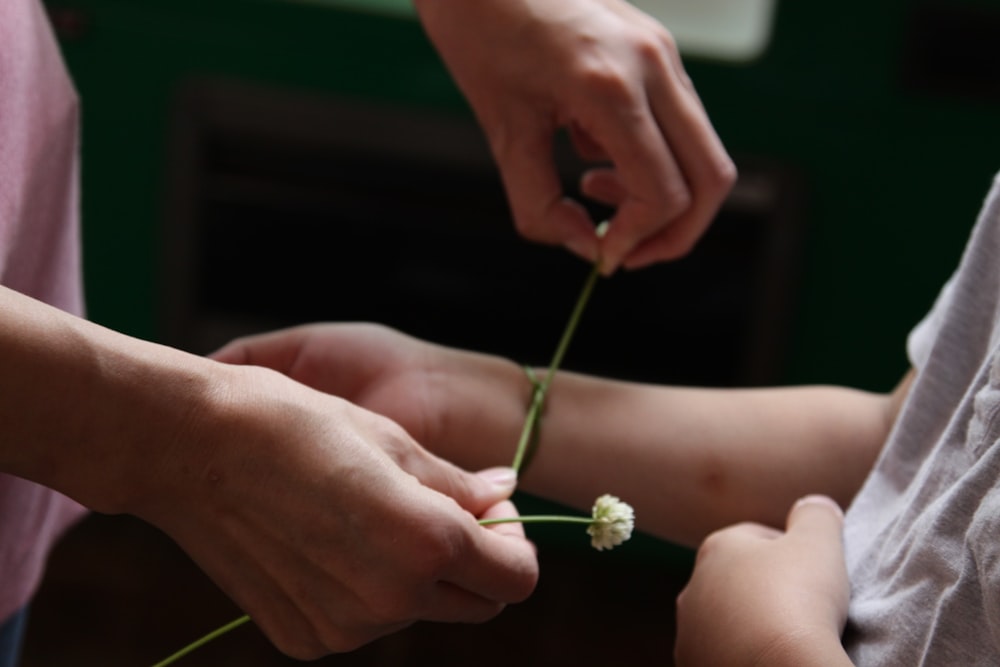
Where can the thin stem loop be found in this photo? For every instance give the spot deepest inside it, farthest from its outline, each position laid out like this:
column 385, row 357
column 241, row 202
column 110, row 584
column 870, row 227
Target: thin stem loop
column 529, row 433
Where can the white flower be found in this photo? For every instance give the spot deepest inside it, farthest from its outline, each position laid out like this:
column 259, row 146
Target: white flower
column 612, row 522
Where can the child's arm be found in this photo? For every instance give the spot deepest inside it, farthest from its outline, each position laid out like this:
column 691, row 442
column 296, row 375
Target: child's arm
column 689, row 460
column 694, row 460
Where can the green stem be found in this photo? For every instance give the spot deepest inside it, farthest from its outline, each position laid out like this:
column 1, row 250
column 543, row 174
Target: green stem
column 541, row 388
column 574, row 319
column 215, row 634
column 538, row 518
column 204, row 640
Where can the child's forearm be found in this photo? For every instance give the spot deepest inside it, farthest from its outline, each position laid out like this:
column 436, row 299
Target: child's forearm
column 689, row 460
column 694, row 460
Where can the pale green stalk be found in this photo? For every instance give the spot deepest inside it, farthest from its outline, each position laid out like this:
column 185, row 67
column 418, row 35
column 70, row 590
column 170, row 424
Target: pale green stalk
column 218, row 632
column 538, row 518
column 541, row 388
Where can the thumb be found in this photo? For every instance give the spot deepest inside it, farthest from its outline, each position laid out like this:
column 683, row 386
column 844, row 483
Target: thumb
column 474, row 492
column 816, row 518
column 231, row 353
column 277, row 349
column 816, row 523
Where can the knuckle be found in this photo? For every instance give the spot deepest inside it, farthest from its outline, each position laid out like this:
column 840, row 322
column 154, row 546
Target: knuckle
column 289, row 635
column 652, row 46
column 723, row 175
column 606, row 81
column 677, row 199
column 441, row 549
column 316, row 638
column 672, row 199
column 433, row 555
column 666, row 39
column 393, row 607
column 338, row 640
column 300, row 647
column 398, row 444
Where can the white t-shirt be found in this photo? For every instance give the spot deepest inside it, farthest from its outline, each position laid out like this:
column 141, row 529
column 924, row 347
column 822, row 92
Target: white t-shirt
column 39, row 251
column 923, row 535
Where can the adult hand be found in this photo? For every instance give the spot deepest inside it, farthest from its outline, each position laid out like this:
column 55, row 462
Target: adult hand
column 327, row 523
column 759, row 596
column 440, row 395
column 610, row 74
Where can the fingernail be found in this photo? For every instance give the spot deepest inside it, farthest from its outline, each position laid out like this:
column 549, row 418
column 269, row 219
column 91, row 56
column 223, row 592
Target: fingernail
column 820, row 500
column 501, row 477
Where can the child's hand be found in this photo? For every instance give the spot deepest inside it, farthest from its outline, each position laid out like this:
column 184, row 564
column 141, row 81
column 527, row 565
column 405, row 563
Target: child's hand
column 762, row 597
column 370, row 365
column 464, row 406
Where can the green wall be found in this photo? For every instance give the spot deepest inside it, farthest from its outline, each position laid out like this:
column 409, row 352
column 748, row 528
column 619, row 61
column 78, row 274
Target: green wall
column 893, row 178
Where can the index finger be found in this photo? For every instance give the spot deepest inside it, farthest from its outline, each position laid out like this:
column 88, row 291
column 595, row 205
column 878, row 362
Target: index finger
column 702, row 162
column 654, row 191
column 708, row 170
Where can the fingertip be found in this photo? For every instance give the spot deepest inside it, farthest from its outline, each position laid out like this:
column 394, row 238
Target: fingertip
column 630, row 264
column 674, row 242
column 807, row 503
column 584, row 247
column 648, row 254
column 562, row 222
column 608, row 267
column 502, row 479
column 615, row 248
column 230, row 353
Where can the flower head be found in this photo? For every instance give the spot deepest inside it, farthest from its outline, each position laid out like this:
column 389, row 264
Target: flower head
column 612, row 522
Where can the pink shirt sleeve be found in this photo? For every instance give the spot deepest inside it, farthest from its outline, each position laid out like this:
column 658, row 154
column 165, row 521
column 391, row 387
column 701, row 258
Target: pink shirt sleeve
column 39, row 251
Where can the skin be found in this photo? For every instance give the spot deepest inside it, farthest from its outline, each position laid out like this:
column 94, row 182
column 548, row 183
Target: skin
column 762, row 596
column 326, row 523
column 695, row 463
column 281, row 492
column 613, row 77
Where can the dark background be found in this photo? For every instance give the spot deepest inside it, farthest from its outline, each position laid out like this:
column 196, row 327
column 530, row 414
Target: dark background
column 254, row 163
